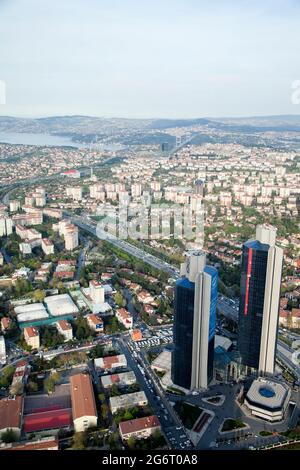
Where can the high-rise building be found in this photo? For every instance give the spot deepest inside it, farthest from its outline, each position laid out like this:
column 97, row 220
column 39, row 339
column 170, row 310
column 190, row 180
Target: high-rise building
column 194, row 323
column 199, row 187
column 259, row 300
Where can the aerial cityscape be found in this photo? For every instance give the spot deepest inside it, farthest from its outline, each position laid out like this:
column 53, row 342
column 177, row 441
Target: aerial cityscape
column 149, row 275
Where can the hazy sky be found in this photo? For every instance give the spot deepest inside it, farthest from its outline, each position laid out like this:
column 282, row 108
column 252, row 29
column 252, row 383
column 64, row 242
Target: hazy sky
column 149, row 58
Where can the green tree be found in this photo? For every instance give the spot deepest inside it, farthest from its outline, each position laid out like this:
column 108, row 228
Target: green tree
column 131, row 442
column 6, row 376
column 120, row 300
column 9, row 436
column 79, row 441
column 39, row 295
column 104, row 411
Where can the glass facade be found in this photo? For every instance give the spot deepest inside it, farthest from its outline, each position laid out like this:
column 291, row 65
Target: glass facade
column 183, row 329
column 183, row 333
column 253, row 278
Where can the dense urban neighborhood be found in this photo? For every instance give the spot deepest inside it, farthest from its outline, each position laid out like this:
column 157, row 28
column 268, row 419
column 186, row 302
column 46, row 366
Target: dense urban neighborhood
column 103, row 345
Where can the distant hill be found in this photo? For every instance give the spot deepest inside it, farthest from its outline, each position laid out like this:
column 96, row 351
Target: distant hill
column 81, row 126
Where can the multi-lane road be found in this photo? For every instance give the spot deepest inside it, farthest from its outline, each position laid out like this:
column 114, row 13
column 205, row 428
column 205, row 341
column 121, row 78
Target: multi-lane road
column 171, row 425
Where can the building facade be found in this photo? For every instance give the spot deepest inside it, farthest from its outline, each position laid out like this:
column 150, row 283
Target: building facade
column 259, row 300
column 194, row 323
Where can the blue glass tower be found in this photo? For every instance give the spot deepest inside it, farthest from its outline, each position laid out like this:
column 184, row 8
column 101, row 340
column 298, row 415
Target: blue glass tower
column 194, row 323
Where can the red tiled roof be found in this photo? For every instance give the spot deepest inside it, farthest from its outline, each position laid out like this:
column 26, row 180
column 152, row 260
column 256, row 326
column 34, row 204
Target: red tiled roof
column 10, row 412
column 47, row 420
column 82, row 395
column 45, row 444
column 139, row 424
column 31, row 331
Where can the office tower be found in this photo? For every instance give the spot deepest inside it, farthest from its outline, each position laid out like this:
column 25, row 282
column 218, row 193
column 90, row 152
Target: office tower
column 194, row 323
column 259, row 301
column 165, row 147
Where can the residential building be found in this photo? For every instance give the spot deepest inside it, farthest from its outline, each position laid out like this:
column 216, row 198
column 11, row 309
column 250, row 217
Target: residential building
column 96, row 292
column 140, row 428
column 122, row 379
column 95, row 322
column 110, row 362
column 32, row 337
column 65, row 329
column 47, row 246
column 124, row 317
column 128, row 400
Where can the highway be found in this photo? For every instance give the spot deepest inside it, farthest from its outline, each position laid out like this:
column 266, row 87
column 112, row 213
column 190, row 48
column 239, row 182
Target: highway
column 86, row 224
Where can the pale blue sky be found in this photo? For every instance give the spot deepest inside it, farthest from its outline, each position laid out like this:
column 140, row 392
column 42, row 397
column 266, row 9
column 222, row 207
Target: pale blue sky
column 149, row 58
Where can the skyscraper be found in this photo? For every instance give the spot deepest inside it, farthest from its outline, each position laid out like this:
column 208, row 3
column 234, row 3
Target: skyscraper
column 194, row 323
column 259, row 300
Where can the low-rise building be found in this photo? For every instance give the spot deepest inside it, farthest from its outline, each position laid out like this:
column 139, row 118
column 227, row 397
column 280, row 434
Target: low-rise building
column 136, row 335
column 32, row 337
column 45, row 443
column 65, row 329
column 124, row 317
column 122, row 379
column 110, row 362
column 128, row 400
column 95, row 322
column 2, row 350
column 83, row 402
column 267, row 399
column 11, row 411
column 140, row 428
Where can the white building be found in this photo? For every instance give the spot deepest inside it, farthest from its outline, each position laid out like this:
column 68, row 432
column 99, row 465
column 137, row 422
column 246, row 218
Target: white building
column 75, row 192
column 47, row 246
column 32, row 337
column 2, row 350
column 96, row 292
column 60, row 304
column 128, row 400
column 267, row 399
column 65, row 329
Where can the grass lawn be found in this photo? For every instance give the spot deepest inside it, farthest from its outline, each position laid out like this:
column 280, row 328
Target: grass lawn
column 265, row 433
column 232, row 424
column 293, row 433
column 188, row 413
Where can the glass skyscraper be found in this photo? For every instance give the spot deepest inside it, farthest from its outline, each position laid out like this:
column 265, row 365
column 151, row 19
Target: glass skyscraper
column 259, row 300
column 194, row 323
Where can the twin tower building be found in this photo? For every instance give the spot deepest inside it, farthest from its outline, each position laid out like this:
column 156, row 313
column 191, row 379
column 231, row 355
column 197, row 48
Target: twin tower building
column 196, row 295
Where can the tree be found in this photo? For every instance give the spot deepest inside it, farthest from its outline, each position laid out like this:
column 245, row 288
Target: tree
column 104, row 411
column 82, row 329
column 39, row 295
column 120, row 300
column 79, row 441
column 131, row 442
column 6, row 376
column 127, row 415
column 97, row 351
column 9, row 436
column 32, row 386
column 101, row 397
column 114, row 391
